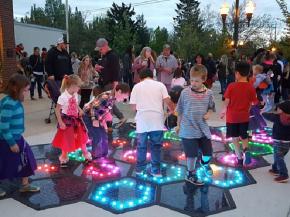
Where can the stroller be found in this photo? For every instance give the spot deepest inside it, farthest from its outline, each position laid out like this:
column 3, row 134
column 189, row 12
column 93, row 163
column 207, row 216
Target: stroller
column 52, row 90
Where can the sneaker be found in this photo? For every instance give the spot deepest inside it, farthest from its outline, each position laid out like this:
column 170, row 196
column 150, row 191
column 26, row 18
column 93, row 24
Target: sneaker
column 193, row 179
column 32, row 98
column 2, row 193
column 139, row 173
column 157, row 174
column 207, row 169
column 274, row 172
column 282, row 179
column 247, row 158
column 240, row 163
column 29, row 188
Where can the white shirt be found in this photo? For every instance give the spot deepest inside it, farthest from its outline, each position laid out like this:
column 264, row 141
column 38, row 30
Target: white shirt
column 178, row 82
column 63, row 100
column 148, row 96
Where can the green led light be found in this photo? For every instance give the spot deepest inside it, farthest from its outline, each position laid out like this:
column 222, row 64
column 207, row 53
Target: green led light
column 265, row 148
column 168, row 135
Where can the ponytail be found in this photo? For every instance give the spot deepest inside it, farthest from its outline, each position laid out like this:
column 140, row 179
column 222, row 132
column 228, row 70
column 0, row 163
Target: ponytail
column 64, row 83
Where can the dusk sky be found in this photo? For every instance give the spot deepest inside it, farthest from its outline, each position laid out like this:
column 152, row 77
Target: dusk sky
column 156, row 14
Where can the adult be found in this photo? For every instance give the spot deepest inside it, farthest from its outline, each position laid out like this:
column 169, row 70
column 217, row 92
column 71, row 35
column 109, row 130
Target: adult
column 166, row 64
column 58, row 62
column 231, row 67
column 286, row 82
column 211, row 71
column 87, row 74
column 223, row 72
column 108, row 68
column 37, row 69
column 128, row 60
column 143, row 61
column 147, row 99
column 75, row 62
column 43, row 57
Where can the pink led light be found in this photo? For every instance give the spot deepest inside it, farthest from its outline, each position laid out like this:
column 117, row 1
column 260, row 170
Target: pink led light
column 131, row 156
column 262, row 138
column 102, row 171
column 119, row 142
column 166, row 145
column 46, row 168
column 231, row 160
column 181, row 157
column 219, row 139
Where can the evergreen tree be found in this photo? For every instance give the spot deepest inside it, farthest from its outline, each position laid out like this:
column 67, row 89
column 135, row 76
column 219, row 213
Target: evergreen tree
column 158, row 39
column 142, row 34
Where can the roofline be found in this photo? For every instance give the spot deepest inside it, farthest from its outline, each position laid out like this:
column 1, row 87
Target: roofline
column 39, row 27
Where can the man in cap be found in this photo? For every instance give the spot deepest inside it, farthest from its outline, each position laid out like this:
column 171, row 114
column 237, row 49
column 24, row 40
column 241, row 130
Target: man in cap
column 109, row 71
column 166, row 65
column 58, row 62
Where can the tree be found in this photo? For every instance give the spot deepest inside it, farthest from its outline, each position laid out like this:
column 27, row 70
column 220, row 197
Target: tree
column 142, row 33
column 158, row 39
column 188, row 14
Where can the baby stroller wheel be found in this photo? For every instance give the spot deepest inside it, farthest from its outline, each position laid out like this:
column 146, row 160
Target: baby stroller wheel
column 47, row 120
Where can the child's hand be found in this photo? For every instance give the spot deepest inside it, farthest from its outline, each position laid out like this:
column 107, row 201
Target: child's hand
column 222, row 115
column 81, row 112
column 177, row 129
column 206, row 116
column 15, row 148
column 62, row 126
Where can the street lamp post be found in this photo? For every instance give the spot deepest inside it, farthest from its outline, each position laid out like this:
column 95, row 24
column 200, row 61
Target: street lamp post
column 66, row 24
column 250, row 6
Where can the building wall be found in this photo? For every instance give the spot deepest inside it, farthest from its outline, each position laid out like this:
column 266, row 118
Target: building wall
column 35, row 36
column 7, row 44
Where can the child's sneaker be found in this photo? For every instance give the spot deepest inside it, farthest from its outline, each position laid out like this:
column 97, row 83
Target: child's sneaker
column 193, row 179
column 282, row 179
column 274, row 172
column 207, row 169
column 2, row 193
column 247, row 157
column 29, row 188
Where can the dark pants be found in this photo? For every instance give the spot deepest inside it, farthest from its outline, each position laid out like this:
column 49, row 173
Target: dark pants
column 37, row 79
column 155, row 138
column 128, row 78
column 280, row 150
column 85, row 96
column 99, row 138
column 223, row 83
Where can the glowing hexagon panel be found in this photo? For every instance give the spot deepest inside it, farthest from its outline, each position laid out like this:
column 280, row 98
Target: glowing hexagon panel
column 119, row 142
column 230, row 159
column 123, row 195
column 169, row 135
column 257, row 149
column 225, row 177
column 195, row 200
column 170, row 173
column 102, row 170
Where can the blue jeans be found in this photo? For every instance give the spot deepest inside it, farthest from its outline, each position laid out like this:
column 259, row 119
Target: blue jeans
column 280, row 150
column 99, row 138
column 223, row 83
column 155, row 139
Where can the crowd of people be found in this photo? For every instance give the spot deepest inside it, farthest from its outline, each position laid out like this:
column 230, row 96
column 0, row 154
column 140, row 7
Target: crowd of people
column 155, row 86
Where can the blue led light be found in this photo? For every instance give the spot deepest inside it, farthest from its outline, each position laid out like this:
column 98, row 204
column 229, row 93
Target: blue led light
column 102, row 193
column 173, row 173
column 235, row 177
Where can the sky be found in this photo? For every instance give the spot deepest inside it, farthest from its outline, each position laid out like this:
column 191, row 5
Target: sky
column 156, row 14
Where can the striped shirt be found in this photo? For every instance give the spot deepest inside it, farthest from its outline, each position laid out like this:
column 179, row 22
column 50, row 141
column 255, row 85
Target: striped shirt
column 11, row 120
column 192, row 106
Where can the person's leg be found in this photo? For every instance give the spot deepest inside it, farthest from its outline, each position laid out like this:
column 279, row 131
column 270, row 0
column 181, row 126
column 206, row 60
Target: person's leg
column 26, row 187
column 243, row 128
column 39, row 79
column 156, row 138
column 32, row 87
column 104, row 142
column 206, row 147
column 233, row 131
column 141, row 152
column 281, row 150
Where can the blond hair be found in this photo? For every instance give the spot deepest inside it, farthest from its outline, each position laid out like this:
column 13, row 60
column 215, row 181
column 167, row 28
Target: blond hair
column 142, row 54
column 258, row 68
column 198, row 71
column 69, row 80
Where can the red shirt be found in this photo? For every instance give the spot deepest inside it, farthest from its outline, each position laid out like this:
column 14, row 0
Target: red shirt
column 241, row 95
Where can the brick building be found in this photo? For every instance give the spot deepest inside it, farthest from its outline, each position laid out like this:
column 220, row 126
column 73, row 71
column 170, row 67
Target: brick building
column 7, row 42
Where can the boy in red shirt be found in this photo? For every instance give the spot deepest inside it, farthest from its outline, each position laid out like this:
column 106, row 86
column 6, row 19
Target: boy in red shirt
column 239, row 97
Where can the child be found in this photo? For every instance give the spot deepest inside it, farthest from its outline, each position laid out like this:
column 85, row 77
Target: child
column 281, row 136
column 147, row 98
column 16, row 157
column 193, row 111
column 178, row 80
column 239, row 97
column 71, row 133
column 98, row 112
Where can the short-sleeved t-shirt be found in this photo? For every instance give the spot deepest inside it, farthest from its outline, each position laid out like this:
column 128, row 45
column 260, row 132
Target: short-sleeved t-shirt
column 148, row 96
column 241, row 95
column 63, row 100
column 192, row 106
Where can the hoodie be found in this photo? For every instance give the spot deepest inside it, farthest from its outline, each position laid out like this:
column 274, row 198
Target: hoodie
column 281, row 126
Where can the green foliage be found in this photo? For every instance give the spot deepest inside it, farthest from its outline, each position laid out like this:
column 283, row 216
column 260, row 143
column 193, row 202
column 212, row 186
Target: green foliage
column 159, row 37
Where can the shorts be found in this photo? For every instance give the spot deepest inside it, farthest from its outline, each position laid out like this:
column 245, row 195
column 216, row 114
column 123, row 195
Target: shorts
column 238, row 130
column 191, row 147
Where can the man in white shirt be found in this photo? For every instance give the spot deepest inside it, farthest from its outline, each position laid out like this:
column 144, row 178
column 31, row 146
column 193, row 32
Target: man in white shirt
column 147, row 98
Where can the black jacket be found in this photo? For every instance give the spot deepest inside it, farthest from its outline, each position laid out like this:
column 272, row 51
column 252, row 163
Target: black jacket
column 36, row 63
column 58, row 64
column 281, row 131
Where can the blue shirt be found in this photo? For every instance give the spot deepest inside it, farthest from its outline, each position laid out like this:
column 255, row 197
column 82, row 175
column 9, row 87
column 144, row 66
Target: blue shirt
column 11, row 120
column 192, row 106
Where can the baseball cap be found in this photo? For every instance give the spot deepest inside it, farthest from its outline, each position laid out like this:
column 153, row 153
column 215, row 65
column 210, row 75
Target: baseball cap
column 166, row 46
column 61, row 41
column 101, row 42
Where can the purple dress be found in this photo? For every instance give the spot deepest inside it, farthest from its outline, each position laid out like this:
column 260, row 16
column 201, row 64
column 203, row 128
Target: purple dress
column 256, row 119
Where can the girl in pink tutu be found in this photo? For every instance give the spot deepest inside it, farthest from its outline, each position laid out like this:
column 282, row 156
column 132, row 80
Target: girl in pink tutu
column 71, row 134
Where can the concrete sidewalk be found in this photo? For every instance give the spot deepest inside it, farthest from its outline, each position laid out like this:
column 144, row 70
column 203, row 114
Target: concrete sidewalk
column 264, row 199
